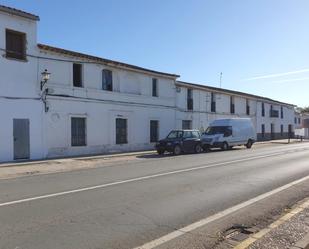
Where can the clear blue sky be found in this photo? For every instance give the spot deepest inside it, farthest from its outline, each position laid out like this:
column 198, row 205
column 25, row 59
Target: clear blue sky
column 196, row 39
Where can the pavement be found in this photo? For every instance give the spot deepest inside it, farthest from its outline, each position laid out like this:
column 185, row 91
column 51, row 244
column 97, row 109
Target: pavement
column 130, row 201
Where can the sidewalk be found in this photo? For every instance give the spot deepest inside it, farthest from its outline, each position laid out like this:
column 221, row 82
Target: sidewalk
column 19, row 169
column 290, row 231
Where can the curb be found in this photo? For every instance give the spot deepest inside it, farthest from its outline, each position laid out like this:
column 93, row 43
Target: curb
column 305, row 242
column 85, row 158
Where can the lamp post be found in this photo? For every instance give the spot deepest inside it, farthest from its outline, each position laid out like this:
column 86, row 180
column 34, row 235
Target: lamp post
column 45, row 77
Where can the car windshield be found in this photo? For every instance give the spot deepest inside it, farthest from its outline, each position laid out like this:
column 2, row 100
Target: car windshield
column 175, row 134
column 213, row 130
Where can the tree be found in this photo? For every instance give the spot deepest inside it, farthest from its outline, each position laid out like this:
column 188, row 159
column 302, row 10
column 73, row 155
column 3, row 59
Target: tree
column 303, row 109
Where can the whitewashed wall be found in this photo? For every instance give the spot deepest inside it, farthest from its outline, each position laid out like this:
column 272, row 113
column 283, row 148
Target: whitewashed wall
column 19, row 89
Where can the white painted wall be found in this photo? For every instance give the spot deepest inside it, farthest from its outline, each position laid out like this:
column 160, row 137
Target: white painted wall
column 19, row 89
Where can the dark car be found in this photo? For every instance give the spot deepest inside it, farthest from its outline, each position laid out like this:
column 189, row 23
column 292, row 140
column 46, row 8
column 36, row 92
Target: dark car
column 179, row 141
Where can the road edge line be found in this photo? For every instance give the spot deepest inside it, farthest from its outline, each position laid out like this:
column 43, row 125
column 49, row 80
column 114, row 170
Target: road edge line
column 284, row 218
column 179, row 232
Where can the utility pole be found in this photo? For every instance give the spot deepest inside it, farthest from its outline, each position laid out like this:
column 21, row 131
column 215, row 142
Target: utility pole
column 220, row 79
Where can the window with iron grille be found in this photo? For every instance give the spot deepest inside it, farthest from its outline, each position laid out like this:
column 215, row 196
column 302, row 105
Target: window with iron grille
column 186, row 124
column 263, row 110
column 107, row 80
column 247, row 107
column 15, row 44
column 213, row 102
column 154, row 131
column 189, row 99
column 121, row 131
column 78, row 131
column 263, row 130
column 77, row 75
column 155, row 87
column 232, row 104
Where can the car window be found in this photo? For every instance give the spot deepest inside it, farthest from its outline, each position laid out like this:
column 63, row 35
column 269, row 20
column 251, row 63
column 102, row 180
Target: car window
column 187, row 134
column 175, row 134
column 195, row 134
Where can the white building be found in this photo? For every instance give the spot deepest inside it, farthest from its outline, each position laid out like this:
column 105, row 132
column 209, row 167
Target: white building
column 92, row 105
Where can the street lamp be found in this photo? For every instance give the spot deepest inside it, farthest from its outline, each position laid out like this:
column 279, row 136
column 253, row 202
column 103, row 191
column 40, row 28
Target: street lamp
column 45, row 77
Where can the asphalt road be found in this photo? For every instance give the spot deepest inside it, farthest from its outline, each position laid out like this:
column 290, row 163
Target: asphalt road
column 133, row 202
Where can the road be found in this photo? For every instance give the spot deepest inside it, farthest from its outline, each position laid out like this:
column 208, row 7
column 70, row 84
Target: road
column 131, row 203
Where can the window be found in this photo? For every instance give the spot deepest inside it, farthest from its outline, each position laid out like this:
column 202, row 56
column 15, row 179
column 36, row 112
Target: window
column 281, row 130
column 107, row 80
column 15, row 44
column 196, row 134
column 78, row 131
column 298, row 120
column 154, row 131
column 121, row 131
column 213, row 102
column 186, row 124
column 281, row 112
column 77, row 75
column 189, row 99
column 214, row 130
column 295, row 120
column 175, row 134
column 155, row 87
column 263, row 130
column 232, row 104
column 263, row 110
column 247, row 107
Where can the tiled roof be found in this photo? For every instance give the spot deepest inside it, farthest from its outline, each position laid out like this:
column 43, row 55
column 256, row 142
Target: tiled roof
column 17, row 12
column 101, row 60
column 231, row 92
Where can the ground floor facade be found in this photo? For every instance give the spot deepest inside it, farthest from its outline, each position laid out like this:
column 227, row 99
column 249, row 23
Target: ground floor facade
column 72, row 127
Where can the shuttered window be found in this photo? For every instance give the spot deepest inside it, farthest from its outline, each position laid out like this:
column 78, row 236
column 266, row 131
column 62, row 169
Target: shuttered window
column 78, row 131
column 154, row 87
column 77, row 75
column 121, row 131
column 232, row 104
column 213, row 102
column 15, row 44
column 107, row 80
column 154, row 131
column 186, row 124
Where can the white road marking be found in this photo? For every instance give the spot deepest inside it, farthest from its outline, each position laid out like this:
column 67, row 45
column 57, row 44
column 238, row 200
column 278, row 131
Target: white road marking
column 203, row 222
column 136, row 179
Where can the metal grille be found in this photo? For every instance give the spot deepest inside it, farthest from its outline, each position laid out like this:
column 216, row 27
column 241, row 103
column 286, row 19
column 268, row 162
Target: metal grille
column 78, row 131
column 154, row 131
column 121, row 131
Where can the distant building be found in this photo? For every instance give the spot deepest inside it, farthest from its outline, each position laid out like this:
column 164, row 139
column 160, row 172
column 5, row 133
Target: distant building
column 92, row 105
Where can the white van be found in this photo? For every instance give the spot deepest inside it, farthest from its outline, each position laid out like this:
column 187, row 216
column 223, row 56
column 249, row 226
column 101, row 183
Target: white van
column 226, row 133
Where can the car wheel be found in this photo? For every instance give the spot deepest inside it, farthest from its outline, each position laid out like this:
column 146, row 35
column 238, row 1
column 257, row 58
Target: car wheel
column 160, row 152
column 198, row 148
column 206, row 148
column 177, row 150
column 224, row 146
column 249, row 144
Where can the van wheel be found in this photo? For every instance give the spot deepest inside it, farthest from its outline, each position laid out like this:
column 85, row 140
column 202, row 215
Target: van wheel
column 177, row 150
column 225, row 146
column 198, row 148
column 249, row 144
